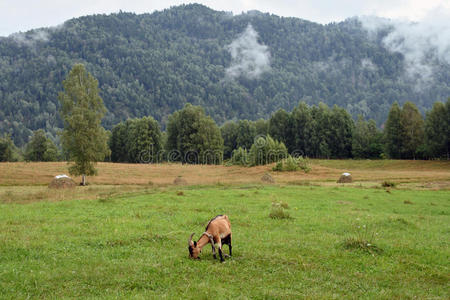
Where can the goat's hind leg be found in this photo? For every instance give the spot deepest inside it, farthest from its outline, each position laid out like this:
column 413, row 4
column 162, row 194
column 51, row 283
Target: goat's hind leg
column 219, row 245
column 227, row 241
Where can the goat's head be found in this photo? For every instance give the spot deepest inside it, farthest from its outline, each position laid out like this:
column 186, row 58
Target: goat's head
column 194, row 251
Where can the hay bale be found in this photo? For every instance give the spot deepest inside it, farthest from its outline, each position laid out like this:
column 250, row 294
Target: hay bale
column 62, row 182
column 345, row 178
column 267, row 178
column 180, row 181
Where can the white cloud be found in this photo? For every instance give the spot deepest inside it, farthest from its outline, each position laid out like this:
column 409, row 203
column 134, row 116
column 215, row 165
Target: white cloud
column 367, row 64
column 249, row 58
column 31, row 38
column 420, row 42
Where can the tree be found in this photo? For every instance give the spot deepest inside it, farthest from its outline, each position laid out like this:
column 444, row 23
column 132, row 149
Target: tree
column 261, row 127
column 413, row 128
column 341, row 129
column 8, row 151
column 246, row 134
column 302, row 129
column 320, row 133
column 117, row 143
column 195, row 136
column 41, row 148
column 229, row 132
column 280, row 128
column 366, row 140
column 394, row 132
column 82, row 109
column 437, row 130
column 143, row 140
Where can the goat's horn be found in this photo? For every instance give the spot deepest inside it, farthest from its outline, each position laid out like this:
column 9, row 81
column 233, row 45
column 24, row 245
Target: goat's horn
column 190, row 239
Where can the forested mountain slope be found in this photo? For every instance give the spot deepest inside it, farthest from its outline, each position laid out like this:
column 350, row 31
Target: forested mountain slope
column 242, row 66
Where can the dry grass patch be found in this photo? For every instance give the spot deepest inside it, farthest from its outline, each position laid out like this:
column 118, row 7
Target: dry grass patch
column 411, row 174
column 29, row 194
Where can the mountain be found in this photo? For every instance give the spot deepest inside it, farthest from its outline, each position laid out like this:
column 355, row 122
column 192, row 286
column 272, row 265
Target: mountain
column 236, row 66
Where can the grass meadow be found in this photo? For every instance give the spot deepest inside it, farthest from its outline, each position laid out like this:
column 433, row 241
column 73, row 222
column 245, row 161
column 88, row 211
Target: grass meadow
column 303, row 237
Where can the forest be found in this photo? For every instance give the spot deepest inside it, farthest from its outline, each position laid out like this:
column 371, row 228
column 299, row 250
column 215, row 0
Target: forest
column 153, row 64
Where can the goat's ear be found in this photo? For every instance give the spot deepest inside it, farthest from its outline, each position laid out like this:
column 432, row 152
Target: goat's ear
column 195, row 244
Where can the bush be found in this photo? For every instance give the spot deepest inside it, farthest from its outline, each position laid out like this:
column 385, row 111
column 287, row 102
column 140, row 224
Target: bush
column 8, row 151
column 278, row 167
column 266, row 150
column 239, row 157
column 303, row 164
column 292, row 164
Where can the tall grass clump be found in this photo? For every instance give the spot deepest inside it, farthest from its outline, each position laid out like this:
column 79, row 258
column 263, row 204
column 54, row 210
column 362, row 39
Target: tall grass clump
column 363, row 240
column 279, row 210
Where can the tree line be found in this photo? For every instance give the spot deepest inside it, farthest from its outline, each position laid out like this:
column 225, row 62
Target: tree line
column 309, row 131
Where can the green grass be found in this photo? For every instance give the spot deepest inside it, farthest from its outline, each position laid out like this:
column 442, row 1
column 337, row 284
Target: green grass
column 136, row 246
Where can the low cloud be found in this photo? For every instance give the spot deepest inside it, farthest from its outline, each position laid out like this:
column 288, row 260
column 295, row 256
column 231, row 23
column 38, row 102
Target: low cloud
column 249, row 58
column 367, row 64
column 30, row 38
column 423, row 44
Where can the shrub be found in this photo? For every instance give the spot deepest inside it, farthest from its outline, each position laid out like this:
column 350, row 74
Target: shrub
column 278, row 166
column 239, row 157
column 388, row 184
column 292, row 164
column 8, row 151
column 303, row 164
column 266, row 150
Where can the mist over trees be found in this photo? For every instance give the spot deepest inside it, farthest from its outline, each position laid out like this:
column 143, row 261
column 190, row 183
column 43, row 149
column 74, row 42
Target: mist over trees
column 153, row 64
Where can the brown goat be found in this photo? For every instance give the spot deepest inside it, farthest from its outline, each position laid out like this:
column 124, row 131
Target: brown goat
column 218, row 231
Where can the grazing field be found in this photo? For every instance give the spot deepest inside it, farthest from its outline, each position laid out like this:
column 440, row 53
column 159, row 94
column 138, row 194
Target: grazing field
column 335, row 242
column 125, row 235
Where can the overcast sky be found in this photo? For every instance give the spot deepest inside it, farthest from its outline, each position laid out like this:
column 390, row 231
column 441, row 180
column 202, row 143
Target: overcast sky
column 22, row 15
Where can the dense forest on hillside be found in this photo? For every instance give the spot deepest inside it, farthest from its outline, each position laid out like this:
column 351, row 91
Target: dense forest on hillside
column 153, row 64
